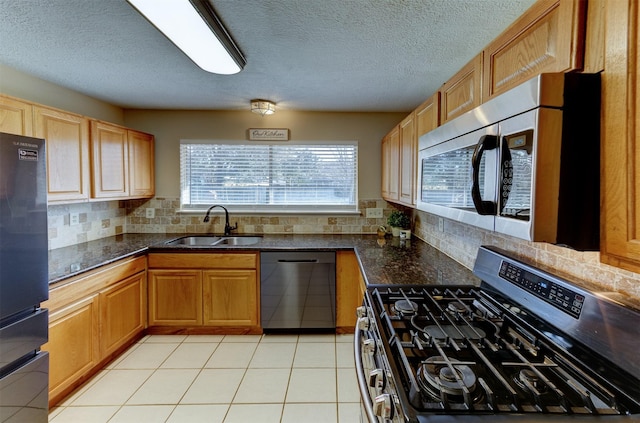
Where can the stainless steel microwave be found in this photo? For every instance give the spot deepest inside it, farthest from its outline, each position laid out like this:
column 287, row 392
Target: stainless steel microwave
column 526, row 163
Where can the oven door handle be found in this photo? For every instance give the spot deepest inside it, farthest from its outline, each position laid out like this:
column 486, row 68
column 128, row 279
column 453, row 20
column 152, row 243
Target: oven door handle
column 362, row 383
column 486, row 142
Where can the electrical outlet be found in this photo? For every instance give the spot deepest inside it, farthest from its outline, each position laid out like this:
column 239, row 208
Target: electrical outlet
column 441, row 224
column 374, row 213
column 150, row 213
column 74, row 219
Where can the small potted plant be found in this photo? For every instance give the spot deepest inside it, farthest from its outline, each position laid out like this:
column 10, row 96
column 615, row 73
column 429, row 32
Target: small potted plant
column 398, row 220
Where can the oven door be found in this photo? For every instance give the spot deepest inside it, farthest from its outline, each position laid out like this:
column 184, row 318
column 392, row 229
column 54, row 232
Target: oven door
column 457, row 177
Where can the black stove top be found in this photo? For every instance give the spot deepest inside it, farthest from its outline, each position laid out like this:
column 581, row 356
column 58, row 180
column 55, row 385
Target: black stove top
column 466, row 350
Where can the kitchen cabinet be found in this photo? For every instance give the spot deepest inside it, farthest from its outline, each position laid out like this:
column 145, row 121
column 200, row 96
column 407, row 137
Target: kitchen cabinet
column 428, row 115
column 16, row 117
column 123, row 313
column 391, row 165
column 110, row 161
column 67, row 137
column 73, row 345
column 230, row 298
column 620, row 166
column 175, row 297
column 548, row 37
column 206, row 290
column 350, row 287
column 92, row 318
column 122, row 162
column 141, row 164
column 463, row 91
column 408, row 155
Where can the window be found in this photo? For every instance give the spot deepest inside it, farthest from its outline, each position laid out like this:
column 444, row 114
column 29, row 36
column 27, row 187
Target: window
column 318, row 177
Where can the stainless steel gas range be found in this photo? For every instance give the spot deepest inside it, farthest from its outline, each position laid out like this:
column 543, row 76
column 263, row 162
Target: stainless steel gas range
column 524, row 346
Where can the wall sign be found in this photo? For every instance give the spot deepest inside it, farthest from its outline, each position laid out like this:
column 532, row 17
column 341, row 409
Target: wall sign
column 268, row 134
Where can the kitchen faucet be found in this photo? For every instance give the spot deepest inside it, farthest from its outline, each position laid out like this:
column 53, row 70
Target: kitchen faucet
column 227, row 228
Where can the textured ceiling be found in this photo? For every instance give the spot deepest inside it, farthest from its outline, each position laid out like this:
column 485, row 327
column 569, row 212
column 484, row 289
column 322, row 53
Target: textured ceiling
column 325, row 55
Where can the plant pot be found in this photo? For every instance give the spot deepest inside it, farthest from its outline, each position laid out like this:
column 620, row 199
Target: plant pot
column 395, row 231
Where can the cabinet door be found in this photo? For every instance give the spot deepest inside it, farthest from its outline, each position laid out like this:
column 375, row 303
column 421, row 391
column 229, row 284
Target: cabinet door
column 549, row 37
column 390, row 165
column 110, row 161
column 16, row 117
column 230, row 298
column 123, row 313
column 73, row 344
column 349, row 289
column 463, row 91
column 428, row 115
column 620, row 244
column 67, row 137
column 408, row 154
column 175, row 297
column 141, row 165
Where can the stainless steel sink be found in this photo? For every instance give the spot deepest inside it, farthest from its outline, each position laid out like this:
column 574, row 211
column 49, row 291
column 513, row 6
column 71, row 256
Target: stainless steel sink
column 194, row 240
column 205, row 240
column 238, row 240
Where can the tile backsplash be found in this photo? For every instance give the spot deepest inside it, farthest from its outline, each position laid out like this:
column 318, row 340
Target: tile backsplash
column 457, row 240
column 103, row 219
column 460, row 242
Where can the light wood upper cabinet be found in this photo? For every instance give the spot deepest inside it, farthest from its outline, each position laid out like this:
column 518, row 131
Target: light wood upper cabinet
column 428, row 115
column 620, row 218
column 463, row 91
column 548, row 37
column 16, row 117
column 408, row 154
column 391, row 165
column 110, row 161
column 67, row 149
column 122, row 162
column 141, row 164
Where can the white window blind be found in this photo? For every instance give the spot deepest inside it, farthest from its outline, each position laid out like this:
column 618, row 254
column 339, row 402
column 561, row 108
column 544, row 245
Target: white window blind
column 258, row 176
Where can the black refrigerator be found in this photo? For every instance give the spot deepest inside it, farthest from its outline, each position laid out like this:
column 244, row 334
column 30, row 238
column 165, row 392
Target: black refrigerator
column 24, row 368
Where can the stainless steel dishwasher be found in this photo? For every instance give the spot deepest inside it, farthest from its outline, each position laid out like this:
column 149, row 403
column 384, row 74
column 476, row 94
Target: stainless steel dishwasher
column 298, row 290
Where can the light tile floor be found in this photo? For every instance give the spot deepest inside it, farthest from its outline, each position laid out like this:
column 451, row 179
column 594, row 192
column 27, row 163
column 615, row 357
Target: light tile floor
column 216, row 378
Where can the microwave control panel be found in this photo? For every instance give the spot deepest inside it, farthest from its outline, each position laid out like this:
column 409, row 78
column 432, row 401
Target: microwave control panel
column 558, row 296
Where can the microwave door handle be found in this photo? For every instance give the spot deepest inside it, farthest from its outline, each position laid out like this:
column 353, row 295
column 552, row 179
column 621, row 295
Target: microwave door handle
column 486, row 142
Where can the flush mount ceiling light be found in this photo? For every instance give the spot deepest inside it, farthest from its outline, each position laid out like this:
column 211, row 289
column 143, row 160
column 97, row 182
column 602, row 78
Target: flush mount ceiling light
column 194, row 28
column 263, row 107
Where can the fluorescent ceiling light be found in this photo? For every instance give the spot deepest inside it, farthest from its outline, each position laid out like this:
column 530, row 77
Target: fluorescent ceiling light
column 194, row 28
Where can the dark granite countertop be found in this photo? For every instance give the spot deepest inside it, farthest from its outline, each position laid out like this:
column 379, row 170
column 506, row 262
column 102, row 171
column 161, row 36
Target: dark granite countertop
column 387, row 261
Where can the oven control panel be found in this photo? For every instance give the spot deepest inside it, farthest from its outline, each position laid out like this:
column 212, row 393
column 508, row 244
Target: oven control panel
column 558, row 296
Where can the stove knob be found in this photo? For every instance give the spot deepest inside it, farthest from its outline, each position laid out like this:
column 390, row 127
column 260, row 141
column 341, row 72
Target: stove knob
column 363, row 323
column 382, row 406
column 376, row 380
column 361, row 311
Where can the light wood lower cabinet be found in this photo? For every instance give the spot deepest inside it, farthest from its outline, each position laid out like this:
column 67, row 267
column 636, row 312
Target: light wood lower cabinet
column 350, row 286
column 123, row 313
column 230, row 298
column 214, row 290
column 175, row 297
column 73, row 344
column 92, row 318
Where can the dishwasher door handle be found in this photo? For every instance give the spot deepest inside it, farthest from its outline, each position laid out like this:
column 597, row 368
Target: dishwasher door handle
column 298, row 261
